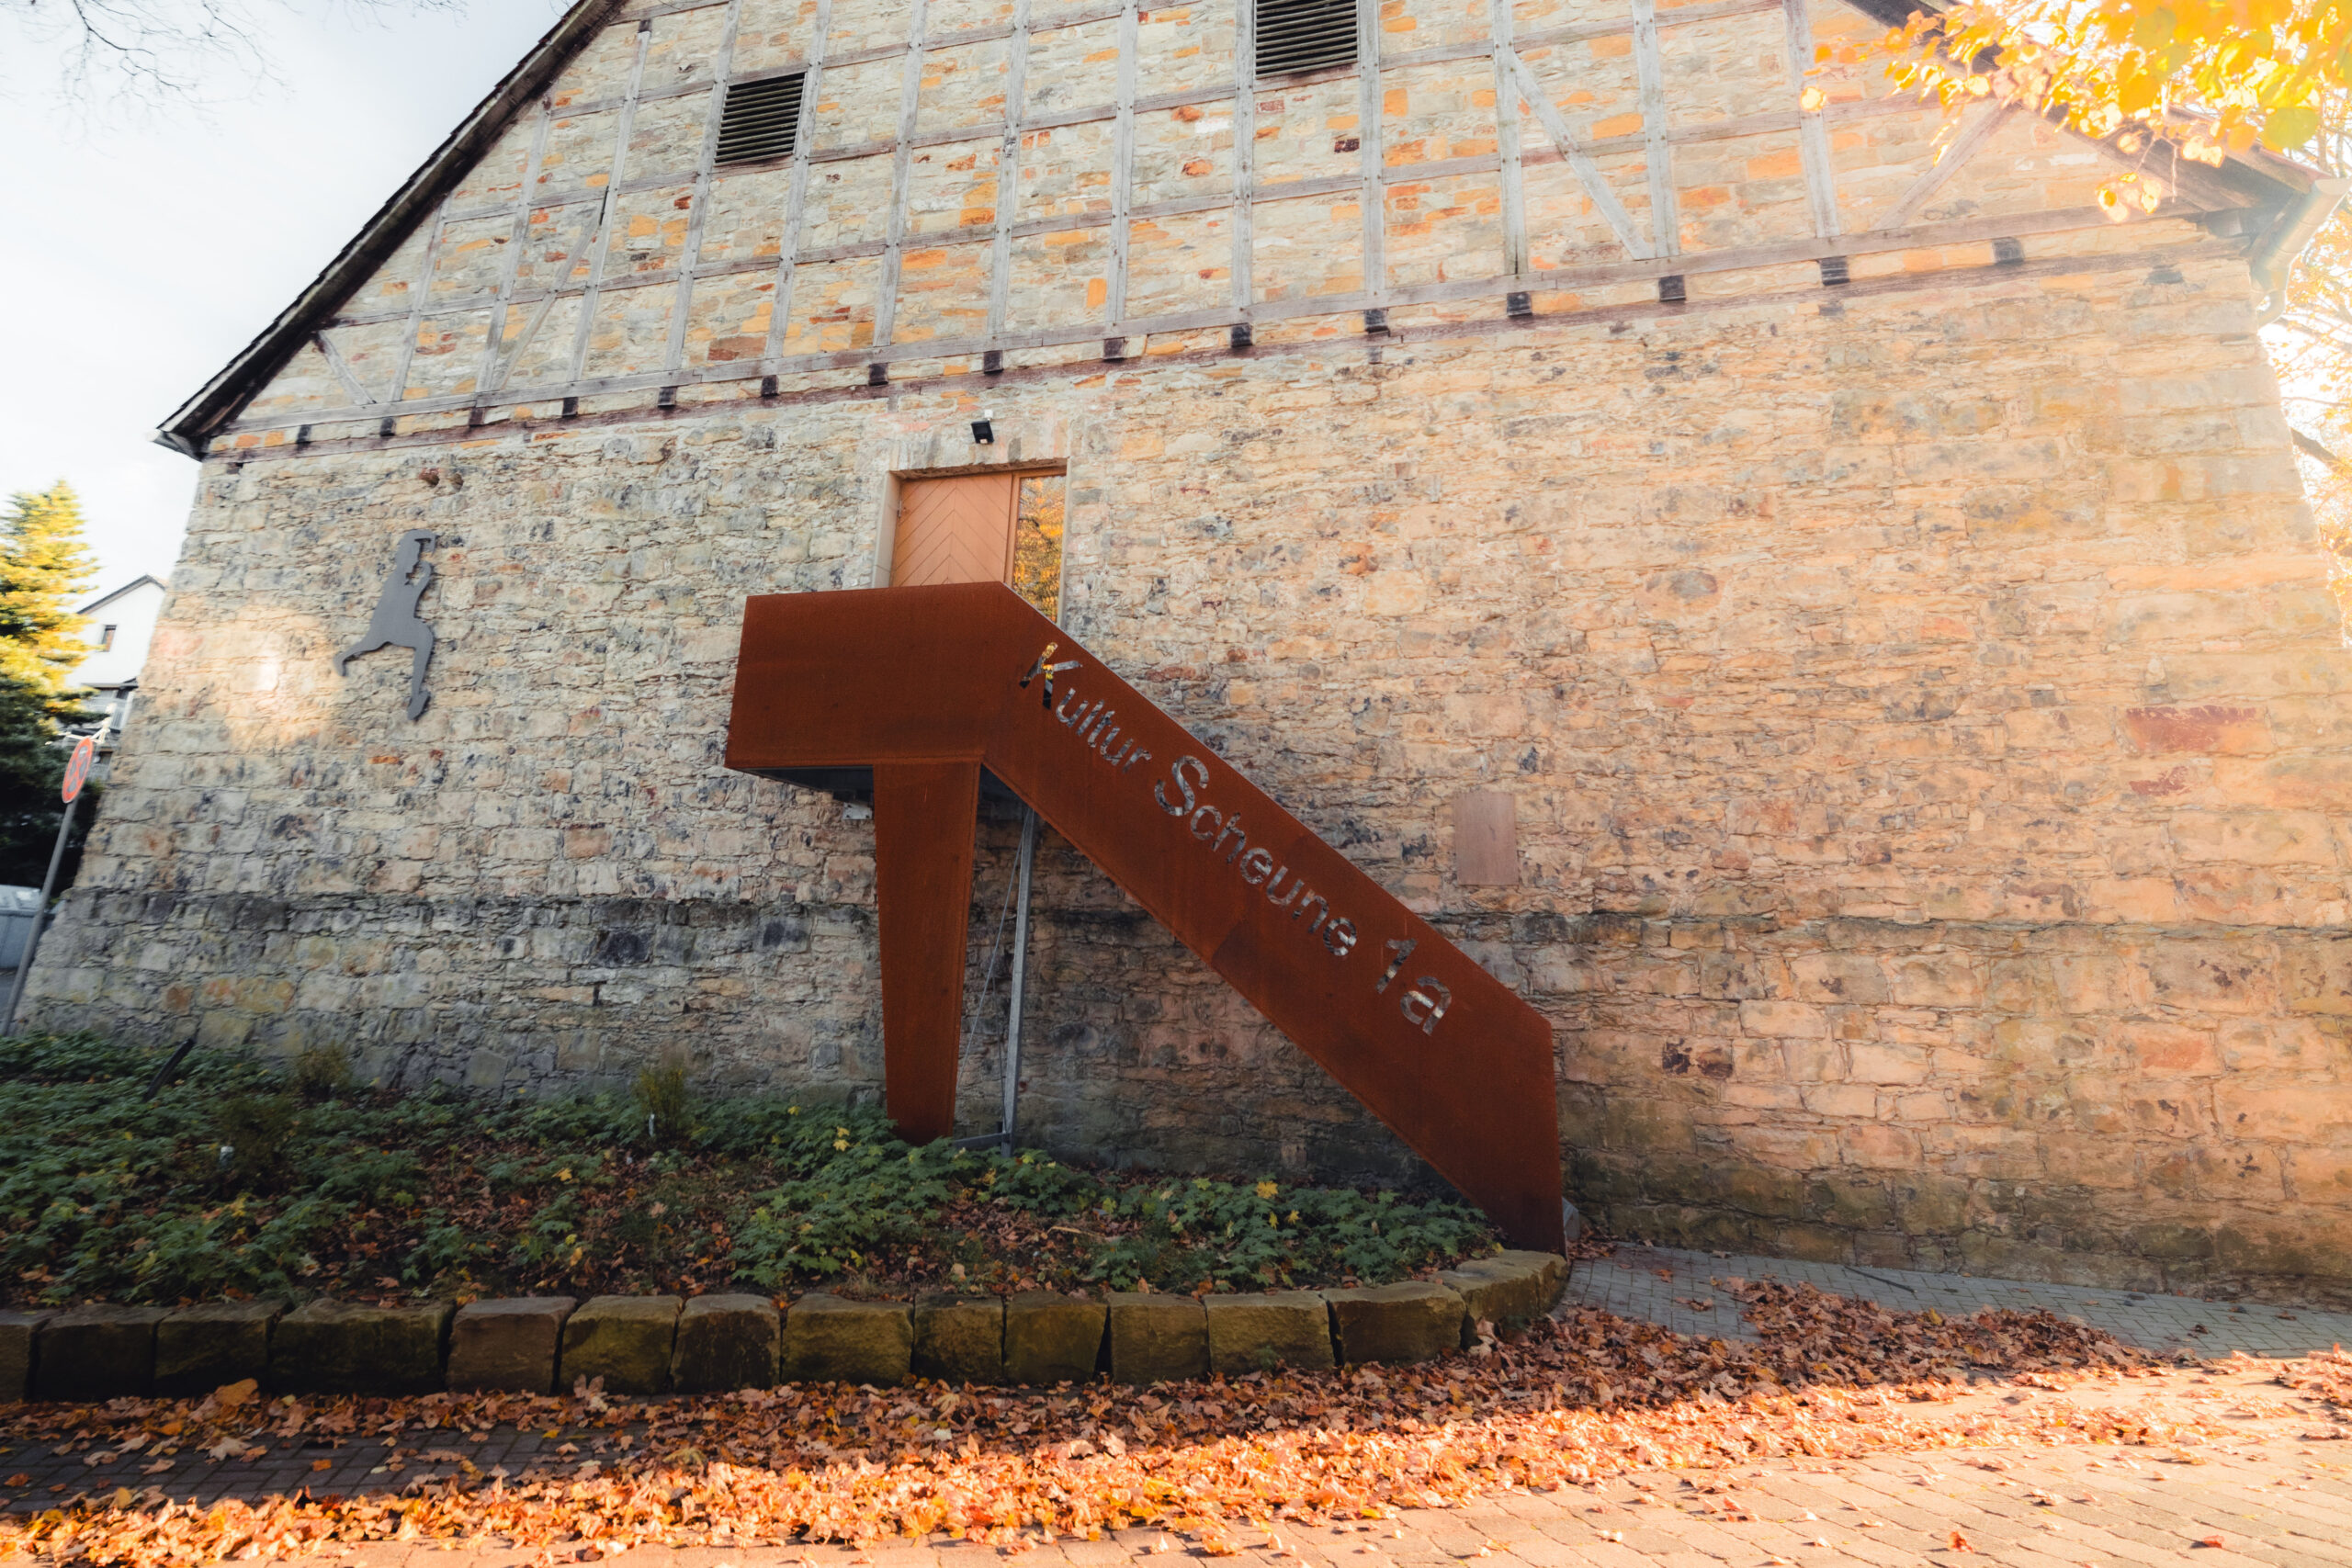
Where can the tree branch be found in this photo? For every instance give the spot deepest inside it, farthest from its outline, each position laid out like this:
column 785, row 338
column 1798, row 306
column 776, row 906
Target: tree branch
column 2319, row 454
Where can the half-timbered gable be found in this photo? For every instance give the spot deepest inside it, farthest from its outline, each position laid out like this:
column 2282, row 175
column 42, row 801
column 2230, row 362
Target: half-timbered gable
column 1050, row 184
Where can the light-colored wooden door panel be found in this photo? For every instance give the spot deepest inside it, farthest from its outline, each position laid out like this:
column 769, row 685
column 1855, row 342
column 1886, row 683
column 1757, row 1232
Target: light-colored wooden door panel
column 955, row 530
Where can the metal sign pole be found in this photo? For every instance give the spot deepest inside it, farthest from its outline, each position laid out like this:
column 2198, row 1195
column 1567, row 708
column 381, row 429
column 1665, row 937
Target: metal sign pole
column 40, row 916
column 48, row 883
column 1020, row 973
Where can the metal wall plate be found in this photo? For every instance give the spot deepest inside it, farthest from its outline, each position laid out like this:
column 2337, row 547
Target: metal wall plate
column 396, row 623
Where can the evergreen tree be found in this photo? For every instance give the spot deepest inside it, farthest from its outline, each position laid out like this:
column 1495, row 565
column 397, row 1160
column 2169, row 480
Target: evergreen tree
column 44, row 566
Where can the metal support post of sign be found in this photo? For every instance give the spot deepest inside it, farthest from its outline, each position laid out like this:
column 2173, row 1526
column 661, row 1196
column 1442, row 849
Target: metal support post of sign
column 1018, row 893
column 76, row 771
column 1019, row 974
column 40, row 916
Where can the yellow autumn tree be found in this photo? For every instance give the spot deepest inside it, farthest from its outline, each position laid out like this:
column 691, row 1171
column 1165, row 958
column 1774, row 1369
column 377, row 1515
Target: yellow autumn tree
column 2214, row 76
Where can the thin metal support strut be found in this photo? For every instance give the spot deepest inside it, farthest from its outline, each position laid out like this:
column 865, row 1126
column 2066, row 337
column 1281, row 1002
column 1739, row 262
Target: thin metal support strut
column 1019, row 894
column 1019, row 974
column 49, row 887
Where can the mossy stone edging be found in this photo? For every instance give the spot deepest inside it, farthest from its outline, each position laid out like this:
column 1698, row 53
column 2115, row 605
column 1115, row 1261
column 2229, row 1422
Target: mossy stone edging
column 960, row 1339
column 1051, row 1338
column 1414, row 1319
column 656, row 1345
column 1257, row 1333
column 19, row 1334
column 726, row 1342
column 213, row 1345
column 99, row 1351
column 826, row 1339
column 508, row 1346
column 1157, row 1338
column 330, row 1347
column 622, row 1341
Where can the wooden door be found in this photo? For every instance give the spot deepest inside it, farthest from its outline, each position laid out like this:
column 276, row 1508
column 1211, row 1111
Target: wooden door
column 958, row 529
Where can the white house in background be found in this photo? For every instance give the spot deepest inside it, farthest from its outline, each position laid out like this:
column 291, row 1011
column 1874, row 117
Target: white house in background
column 121, row 626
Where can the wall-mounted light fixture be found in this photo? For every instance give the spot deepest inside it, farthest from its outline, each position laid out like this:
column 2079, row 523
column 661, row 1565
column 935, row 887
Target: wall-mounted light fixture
column 983, row 432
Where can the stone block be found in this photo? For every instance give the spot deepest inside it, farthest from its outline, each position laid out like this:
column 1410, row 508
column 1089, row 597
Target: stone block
column 510, row 1345
column 1411, row 1321
column 826, row 1339
column 206, row 1346
column 96, row 1352
column 626, row 1341
column 960, row 1339
column 1157, row 1339
column 1257, row 1333
column 1503, row 1296
column 1551, row 1271
column 348, row 1348
column 1051, row 1338
column 19, row 1334
column 726, row 1342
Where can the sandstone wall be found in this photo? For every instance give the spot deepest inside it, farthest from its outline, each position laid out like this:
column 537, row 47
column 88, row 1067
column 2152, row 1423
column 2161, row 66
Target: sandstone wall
column 1925, row 717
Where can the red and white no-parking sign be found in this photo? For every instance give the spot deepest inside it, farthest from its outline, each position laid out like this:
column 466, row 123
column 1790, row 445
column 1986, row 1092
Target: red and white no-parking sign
column 77, row 766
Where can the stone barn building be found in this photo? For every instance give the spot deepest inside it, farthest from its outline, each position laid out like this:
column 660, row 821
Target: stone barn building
column 1876, row 588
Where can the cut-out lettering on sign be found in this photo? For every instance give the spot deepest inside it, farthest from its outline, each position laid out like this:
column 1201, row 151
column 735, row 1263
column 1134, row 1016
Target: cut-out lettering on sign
column 920, row 689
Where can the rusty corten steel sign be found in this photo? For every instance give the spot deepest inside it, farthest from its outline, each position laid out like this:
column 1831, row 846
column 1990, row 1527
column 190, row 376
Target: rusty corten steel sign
column 926, row 686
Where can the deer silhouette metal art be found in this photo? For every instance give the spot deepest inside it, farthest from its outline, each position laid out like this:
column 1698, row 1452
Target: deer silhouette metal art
column 396, row 623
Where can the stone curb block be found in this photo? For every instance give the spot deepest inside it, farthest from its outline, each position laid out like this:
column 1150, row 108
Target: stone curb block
column 508, row 1345
column 1256, row 1333
column 726, row 1342
column 1157, row 1339
column 102, row 1351
column 19, row 1333
column 348, row 1348
column 651, row 1344
column 1051, row 1338
column 826, row 1339
column 1510, row 1289
column 960, row 1339
column 1550, row 1266
column 1414, row 1321
column 626, row 1341
column 1509, row 1295
column 203, row 1347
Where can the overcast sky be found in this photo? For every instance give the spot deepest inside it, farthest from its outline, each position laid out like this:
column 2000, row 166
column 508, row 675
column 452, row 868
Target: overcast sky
column 148, row 245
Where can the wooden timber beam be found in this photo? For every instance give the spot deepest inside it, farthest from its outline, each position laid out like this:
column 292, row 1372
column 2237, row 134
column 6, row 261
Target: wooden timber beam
column 524, row 425
column 1978, row 230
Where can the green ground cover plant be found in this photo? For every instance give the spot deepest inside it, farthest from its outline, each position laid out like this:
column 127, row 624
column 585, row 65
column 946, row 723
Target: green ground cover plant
column 240, row 1176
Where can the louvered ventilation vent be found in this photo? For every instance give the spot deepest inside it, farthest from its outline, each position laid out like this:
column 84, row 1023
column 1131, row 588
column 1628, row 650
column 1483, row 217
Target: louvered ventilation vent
column 1305, row 35
column 762, row 119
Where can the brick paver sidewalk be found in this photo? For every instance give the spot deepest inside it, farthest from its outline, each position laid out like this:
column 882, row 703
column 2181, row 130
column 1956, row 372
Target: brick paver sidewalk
column 1686, row 1291
column 2277, row 1491
column 2280, row 1492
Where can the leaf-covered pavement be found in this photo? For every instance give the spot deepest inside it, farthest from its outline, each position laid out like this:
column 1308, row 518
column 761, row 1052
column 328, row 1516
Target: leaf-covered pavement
column 1580, row 1399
